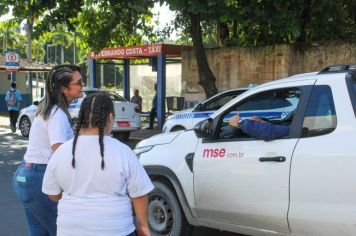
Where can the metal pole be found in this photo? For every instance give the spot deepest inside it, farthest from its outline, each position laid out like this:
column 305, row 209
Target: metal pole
column 62, row 54
column 74, row 49
column 115, row 76
column 126, row 79
column 55, row 54
column 47, row 54
column 92, row 79
column 161, row 89
column 101, row 76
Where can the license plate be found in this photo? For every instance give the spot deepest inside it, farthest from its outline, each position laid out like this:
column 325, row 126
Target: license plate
column 123, row 124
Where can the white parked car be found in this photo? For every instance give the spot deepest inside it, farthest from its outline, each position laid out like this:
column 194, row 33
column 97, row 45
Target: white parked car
column 127, row 117
column 186, row 119
column 300, row 184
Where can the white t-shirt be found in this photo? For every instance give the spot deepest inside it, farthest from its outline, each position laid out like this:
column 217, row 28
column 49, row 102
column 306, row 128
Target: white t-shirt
column 43, row 134
column 95, row 201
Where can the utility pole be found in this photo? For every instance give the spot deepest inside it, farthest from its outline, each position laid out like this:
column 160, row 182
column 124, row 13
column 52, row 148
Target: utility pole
column 74, row 48
column 29, row 27
column 115, row 77
column 47, row 54
column 101, row 75
column 62, row 54
column 55, row 54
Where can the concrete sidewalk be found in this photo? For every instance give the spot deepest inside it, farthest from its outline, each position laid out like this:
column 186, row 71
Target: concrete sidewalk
column 4, row 120
column 144, row 133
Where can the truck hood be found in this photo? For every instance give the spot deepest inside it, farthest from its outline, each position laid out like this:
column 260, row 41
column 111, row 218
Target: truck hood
column 159, row 139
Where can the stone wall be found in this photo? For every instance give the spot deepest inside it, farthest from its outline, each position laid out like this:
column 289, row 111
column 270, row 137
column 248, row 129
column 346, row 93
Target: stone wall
column 240, row 66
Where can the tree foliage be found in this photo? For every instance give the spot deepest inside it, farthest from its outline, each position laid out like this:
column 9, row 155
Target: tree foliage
column 109, row 23
column 266, row 22
column 10, row 37
column 103, row 23
column 28, row 11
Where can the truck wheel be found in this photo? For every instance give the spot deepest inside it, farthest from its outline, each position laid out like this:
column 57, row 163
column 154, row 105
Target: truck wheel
column 122, row 136
column 165, row 216
column 25, row 126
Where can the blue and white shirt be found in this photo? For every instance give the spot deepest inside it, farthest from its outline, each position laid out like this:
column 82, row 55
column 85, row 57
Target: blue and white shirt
column 18, row 97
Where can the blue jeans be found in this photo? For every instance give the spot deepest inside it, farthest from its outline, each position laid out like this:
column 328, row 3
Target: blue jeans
column 40, row 211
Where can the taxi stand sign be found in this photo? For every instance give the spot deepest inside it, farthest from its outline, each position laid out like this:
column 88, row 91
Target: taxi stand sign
column 12, row 62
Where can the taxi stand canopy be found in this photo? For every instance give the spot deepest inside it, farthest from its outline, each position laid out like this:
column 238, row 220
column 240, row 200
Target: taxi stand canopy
column 159, row 52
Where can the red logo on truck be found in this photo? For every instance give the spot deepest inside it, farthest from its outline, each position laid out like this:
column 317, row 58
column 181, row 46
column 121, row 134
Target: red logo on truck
column 214, row 152
column 221, row 153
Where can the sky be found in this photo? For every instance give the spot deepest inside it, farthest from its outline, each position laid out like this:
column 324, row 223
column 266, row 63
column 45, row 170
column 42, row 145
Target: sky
column 7, row 16
column 164, row 16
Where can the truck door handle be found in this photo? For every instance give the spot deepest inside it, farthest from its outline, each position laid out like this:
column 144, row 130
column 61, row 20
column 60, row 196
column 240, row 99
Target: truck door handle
column 275, row 159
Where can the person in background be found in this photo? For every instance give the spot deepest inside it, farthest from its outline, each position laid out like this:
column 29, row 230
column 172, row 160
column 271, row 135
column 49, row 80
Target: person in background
column 13, row 101
column 95, row 178
column 136, row 98
column 51, row 127
column 153, row 112
column 259, row 128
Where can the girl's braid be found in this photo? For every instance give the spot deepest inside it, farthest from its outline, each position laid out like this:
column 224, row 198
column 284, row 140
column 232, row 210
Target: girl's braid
column 83, row 118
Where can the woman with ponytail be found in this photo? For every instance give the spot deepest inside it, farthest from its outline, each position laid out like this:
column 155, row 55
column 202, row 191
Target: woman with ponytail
column 51, row 127
column 97, row 179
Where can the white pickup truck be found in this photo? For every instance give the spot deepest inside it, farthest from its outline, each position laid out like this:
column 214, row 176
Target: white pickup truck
column 300, row 184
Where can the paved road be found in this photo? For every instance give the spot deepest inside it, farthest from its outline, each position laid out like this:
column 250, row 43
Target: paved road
column 12, row 221
column 12, row 148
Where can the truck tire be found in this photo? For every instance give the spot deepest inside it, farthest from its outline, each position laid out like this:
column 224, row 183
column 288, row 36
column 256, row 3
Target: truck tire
column 25, row 126
column 165, row 215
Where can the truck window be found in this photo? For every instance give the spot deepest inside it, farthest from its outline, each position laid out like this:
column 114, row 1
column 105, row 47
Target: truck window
column 272, row 105
column 320, row 116
column 275, row 106
column 351, row 85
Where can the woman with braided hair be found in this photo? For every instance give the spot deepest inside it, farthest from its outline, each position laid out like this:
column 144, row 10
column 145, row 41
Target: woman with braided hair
column 51, row 127
column 97, row 179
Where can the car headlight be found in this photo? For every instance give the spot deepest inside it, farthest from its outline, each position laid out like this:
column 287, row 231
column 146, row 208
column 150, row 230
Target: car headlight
column 140, row 150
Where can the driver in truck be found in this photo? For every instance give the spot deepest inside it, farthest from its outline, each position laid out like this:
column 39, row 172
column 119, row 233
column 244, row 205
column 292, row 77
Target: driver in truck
column 259, row 128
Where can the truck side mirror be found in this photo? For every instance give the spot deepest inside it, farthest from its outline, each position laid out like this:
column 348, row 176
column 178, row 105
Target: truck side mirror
column 204, row 128
column 198, row 107
column 36, row 103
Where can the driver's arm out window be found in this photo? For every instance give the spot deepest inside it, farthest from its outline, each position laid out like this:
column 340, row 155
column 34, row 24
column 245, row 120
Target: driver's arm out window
column 275, row 106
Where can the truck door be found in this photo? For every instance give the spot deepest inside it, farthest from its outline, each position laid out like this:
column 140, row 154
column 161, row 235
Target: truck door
column 244, row 181
column 323, row 173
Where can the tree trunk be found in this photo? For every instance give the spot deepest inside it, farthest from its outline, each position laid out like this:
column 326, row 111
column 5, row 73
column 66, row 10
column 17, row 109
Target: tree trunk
column 29, row 38
column 29, row 51
column 234, row 30
column 304, row 20
column 223, row 32
column 206, row 77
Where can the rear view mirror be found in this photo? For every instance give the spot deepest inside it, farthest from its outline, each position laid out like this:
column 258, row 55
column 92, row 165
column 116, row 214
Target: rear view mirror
column 204, row 129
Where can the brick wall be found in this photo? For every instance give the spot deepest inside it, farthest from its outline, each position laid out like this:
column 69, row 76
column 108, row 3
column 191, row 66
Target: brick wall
column 240, row 66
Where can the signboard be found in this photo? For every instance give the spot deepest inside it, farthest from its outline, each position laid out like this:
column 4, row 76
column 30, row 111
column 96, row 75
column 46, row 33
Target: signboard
column 12, row 61
column 137, row 51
